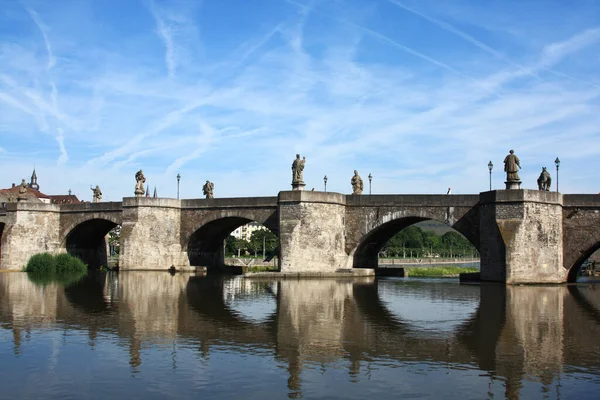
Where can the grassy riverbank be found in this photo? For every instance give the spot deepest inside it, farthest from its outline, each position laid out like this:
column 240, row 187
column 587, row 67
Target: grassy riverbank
column 438, row 272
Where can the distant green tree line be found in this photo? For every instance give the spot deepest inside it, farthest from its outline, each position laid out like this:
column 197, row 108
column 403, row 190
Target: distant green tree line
column 259, row 240
column 412, row 242
column 416, row 242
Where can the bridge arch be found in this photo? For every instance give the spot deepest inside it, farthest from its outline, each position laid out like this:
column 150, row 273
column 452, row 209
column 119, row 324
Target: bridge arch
column 581, row 237
column 86, row 240
column 575, row 266
column 365, row 254
column 204, row 246
column 71, row 221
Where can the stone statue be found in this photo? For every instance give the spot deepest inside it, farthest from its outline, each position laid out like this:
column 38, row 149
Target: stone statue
column 544, row 180
column 511, row 167
column 297, row 168
column 357, row 183
column 140, row 179
column 22, row 196
column 22, row 187
column 207, row 189
column 97, row 194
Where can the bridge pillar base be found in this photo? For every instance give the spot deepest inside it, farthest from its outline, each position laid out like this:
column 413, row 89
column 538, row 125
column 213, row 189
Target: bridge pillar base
column 311, row 231
column 150, row 234
column 31, row 228
column 521, row 236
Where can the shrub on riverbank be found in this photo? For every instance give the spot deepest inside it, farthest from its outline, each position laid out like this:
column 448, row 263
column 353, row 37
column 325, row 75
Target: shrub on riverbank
column 438, row 272
column 60, row 264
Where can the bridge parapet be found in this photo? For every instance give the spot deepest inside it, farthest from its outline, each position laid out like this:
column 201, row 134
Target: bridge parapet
column 581, row 201
column 418, row 200
column 230, row 202
column 109, row 206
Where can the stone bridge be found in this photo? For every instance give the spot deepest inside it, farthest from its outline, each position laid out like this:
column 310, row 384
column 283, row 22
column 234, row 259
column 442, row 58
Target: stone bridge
column 523, row 236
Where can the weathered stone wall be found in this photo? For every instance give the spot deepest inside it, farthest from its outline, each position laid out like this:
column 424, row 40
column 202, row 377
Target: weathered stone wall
column 150, row 234
column 73, row 215
column 197, row 213
column 581, row 230
column 206, row 223
column 523, row 227
column 372, row 220
column 311, row 231
column 492, row 251
column 30, row 228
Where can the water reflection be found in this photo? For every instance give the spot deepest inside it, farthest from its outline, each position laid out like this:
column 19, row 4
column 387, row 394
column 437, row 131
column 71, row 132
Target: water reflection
column 519, row 340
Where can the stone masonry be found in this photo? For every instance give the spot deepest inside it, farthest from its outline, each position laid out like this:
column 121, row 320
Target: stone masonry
column 30, row 228
column 524, row 236
column 521, row 237
column 311, row 231
column 150, row 234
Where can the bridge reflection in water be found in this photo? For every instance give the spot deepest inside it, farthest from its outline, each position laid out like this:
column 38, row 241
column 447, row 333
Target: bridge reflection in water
column 517, row 337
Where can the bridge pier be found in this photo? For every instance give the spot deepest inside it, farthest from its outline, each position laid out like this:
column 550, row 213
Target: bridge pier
column 30, row 228
column 312, row 231
column 150, row 234
column 521, row 237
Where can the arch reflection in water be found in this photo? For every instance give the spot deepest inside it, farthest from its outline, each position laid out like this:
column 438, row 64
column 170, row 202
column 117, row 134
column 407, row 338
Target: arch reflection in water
column 520, row 339
column 247, row 298
column 431, row 308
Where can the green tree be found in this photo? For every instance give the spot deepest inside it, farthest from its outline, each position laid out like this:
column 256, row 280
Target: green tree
column 114, row 238
column 235, row 246
column 415, row 242
column 263, row 239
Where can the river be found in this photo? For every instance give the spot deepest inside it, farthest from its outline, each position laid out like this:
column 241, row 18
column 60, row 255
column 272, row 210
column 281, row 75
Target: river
column 151, row 335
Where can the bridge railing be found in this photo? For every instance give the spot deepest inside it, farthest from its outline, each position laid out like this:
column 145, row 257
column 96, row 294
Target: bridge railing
column 87, row 206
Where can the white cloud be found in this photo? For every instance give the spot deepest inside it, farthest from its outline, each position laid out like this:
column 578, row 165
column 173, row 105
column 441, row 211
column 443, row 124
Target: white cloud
column 356, row 95
column 64, row 157
column 36, row 19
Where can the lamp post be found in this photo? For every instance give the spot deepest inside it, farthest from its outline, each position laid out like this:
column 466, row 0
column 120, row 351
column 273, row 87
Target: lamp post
column 557, row 163
column 370, row 179
column 178, row 179
column 490, row 167
column 325, row 181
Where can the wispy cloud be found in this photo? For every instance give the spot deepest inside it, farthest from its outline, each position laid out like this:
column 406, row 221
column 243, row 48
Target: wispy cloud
column 64, row 157
column 38, row 22
column 556, row 52
column 202, row 145
column 452, row 29
column 351, row 85
column 165, row 33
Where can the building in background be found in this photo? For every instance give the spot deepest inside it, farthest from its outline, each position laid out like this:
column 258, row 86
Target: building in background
column 244, row 232
column 34, row 195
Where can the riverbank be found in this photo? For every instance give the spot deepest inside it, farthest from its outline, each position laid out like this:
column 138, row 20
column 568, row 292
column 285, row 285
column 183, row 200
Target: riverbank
column 414, row 272
column 438, row 272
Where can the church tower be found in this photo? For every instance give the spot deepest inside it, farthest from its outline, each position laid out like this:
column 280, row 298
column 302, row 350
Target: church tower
column 33, row 184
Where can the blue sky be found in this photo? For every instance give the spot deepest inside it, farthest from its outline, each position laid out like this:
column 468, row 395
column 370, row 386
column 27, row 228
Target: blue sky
column 422, row 94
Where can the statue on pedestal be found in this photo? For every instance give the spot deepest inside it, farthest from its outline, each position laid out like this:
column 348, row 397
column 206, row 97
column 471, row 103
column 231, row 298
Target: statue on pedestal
column 97, row 194
column 22, row 191
column 207, row 189
column 357, row 183
column 140, row 179
column 511, row 167
column 297, row 169
column 544, row 180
